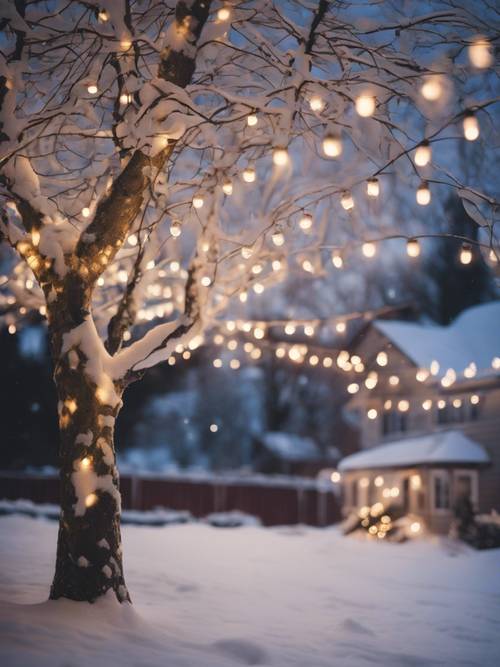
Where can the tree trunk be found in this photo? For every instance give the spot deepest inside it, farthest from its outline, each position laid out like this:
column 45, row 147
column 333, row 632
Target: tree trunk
column 89, row 553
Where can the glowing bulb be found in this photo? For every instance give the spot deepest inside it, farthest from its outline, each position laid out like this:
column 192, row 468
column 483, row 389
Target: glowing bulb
column 415, row 527
column 379, row 481
column 340, row 327
column 480, row 53
column 175, row 229
column 332, row 145
column 365, row 105
column 125, row 44
column 85, row 463
column 423, row 194
column 471, row 126
column 474, row 399
column 258, row 288
column 85, row 212
column 35, row 237
column 103, row 15
column 234, row 364
column 353, row 388
column 372, row 414
column 278, row 239
column 90, row 500
column 423, row 154
column 206, row 281
column 316, row 103
column 246, row 252
column 431, row 88
column 280, row 157
column 198, row 201
column 413, row 248
column 227, row 187
column 337, row 260
column 249, row 175
column 372, row 187
column 92, row 89
column 347, row 201
column 335, row 477
column 305, row 222
column 369, row 250
column 125, row 98
column 252, row 120
column 427, row 404
column 465, row 254
column 422, row 375
column 403, row 406
column 223, row 14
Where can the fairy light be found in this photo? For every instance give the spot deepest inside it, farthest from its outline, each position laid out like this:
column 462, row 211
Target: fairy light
column 382, row 358
column 465, row 254
column 258, row 288
column 332, row 145
column 132, row 240
column 85, row 463
column 327, row 362
column 378, row 481
column 480, row 53
column 249, row 175
column 470, row 126
column 276, row 265
column 227, row 187
column 316, row 103
column 103, row 15
column 457, row 403
column 427, row 404
column 369, row 250
column 234, row 364
column 125, row 44
column 278, row 239
column 423, row 154
column 85, row 211
column 125, row 98
column 308, row 266
column 403, row 405
column 474, row 399
column 280, row 352
column 432, row 88
column 353, row 388
column 335, row 477
column 423, row 194
column 305, row 222
column 12, row 329
column 347, row 201
column 422, row 375
column 224, row 14
column 412, row 248
column 206, row 281
column 314, row 360
column 415, row 527
column 92, row 89
column 252, row 120
column 372, row 414
column 176, row 229
column 372, row 187
column 198, row 201
column 290, row 329
column 90, row 500
column 337, row 260
column 394, row 380
column 280, row 157
column 371, row 380
column 365, row 105
column 340, row 327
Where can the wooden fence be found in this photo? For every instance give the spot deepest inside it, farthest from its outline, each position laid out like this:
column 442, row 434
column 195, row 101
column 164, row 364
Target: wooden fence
column 274, row 502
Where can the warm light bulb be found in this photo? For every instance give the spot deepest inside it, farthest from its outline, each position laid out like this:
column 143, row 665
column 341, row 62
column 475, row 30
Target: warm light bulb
column 466, row 254
column 85, row 212
column 369, row 250
column 316, row 103
column 278, row 239
column 252, row 120
column 92, row 89
column 382, row 359
column 365, row 105
column 175, row 229
column 280, row 157
column 223, row 14
column 198, row 201
column 347, row 201
column 125, row 44
column 90, row 500
column 306, row 221
column 423, row 154
column 332, row 145
column 372, row 187
column 480, row 53
column 432, row 88
column 337, row 260
column 413, row 248
column 227, row 187
column 423, row 194
column 206, row 281
column 125, row 98
column 35, row 237
column 103, row 15
column 471, row 126
column 85, row 463
column 249, row 175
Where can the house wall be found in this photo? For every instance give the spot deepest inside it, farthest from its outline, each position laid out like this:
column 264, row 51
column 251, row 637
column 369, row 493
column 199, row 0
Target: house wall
column 479, row 422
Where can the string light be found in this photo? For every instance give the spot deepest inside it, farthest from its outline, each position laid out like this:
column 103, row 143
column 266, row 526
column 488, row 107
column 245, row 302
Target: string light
column 382, row 358
column 413, row 248
column 422, row 375
column 394, row 380
column 278, row 239
column 90, row 500
column 372, row 187
column 316, row 103
column 337, row 260
column 372, row 414
column 306, row 221
column 35, row 237
column 125, row 98
column 198, row 201
column 85, row 212
column 175, row 229
column 474, row 399
column 252, row 120
column 365, row 105
column 332, row 145
column 353, row 388
column 427, row 404
column 379, row 481
column 432, row 89
column 423, row 154
column 85, row 463
column 206, row 281
column 369, row 250
column 92, row 89
column 223, row 14
column 280, row 157
column 347, row 201
column 471, row 126
column 249, row 175
column 102, row 15
column 423, row 194
column 403, row 405
column 227, row 187
column 465, row 254
column 480, row 53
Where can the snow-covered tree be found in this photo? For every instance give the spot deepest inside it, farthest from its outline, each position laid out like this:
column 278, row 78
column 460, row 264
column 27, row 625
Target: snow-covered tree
column 163, row 162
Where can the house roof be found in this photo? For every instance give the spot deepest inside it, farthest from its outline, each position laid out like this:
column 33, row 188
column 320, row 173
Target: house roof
column 471, row 338
column 446, row 447
column 290, row 447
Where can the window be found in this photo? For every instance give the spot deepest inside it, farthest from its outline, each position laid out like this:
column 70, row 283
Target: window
column 394, row 422
column 441, row 490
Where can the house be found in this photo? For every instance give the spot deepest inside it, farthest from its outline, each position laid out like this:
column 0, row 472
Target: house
column 276, row 452
column 428, row 408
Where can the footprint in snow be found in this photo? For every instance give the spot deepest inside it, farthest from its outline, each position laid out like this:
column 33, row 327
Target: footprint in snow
column 245, row 652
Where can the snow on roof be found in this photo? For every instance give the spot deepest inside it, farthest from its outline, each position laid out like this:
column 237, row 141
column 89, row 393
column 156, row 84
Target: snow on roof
column 436, row 448
column 473, row 337
column 290, row 447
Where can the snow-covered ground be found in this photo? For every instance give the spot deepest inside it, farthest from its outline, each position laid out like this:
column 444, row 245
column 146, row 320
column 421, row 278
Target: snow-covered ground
column 218, row 597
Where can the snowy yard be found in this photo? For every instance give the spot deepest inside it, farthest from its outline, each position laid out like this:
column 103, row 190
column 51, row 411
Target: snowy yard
column 252, row 596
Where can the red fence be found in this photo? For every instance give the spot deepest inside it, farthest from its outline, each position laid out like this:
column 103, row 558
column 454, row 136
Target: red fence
column 279, row 502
